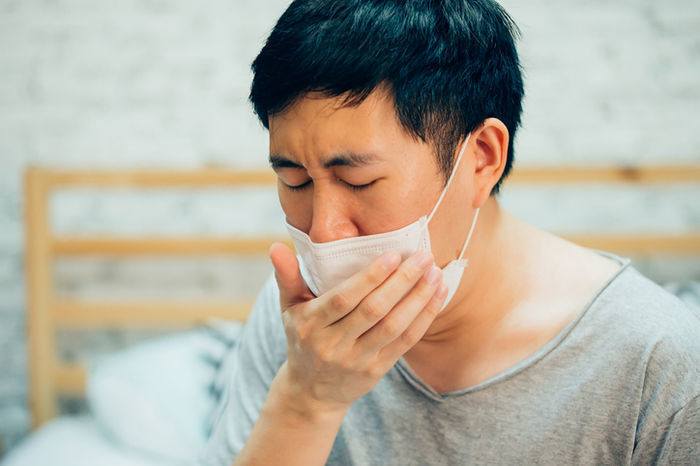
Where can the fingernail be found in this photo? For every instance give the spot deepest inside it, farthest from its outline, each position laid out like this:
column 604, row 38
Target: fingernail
column 390, row 260
column 442, row 292
column 433, row 276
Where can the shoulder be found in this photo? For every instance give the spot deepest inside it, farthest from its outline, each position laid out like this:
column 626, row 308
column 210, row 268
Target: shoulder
column 634, row 320
column 649, row 313
column 653, row 330
column 263, row 334
column 266, row 309
column 269, row 296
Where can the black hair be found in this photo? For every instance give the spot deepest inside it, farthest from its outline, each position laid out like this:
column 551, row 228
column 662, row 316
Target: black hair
column 448, row 64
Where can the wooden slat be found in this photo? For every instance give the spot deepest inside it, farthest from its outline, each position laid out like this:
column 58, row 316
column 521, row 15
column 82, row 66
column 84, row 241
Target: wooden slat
column 641, row 244
column 568, row 175
column 40, row 335
column 145, row 178
column 228, row 177
column 191, row 246
column 81, row 314
column 162, row 246
column 69, row 379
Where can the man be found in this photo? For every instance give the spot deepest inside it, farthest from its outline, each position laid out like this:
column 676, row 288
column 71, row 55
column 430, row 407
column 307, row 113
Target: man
column 391, row 128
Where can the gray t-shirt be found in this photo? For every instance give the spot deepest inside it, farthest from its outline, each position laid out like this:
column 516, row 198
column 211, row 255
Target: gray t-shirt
column 619, row 385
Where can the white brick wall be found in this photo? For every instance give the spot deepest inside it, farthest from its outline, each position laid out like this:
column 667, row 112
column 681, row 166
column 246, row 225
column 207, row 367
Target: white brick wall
column 88, row 83
column 610, row 80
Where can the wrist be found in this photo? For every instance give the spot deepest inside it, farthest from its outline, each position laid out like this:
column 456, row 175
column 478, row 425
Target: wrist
column 287, row 398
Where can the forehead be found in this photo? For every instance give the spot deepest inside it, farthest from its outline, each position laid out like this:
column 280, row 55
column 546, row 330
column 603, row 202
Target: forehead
column 319, row 125
column 315, row 107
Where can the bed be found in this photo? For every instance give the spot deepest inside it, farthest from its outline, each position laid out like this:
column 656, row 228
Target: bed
column 173, row 418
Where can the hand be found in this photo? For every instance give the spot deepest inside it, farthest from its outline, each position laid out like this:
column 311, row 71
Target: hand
column 341, row 344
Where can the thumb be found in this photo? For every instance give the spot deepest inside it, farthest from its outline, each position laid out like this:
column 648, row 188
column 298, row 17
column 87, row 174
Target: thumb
column 293, row 289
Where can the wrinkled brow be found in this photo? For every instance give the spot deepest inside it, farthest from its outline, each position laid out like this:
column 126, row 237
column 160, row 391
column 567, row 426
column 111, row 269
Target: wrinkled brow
column 345, row 159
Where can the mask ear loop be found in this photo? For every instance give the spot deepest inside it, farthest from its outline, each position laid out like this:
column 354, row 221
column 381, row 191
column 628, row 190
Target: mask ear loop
column 449, row 180
column 444, row 191
column 469, row 236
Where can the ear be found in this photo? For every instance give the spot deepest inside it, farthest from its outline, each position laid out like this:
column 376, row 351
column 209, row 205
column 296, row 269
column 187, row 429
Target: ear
column 490, row 148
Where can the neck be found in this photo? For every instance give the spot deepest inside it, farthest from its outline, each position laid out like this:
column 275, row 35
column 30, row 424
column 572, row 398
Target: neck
column 521, row 288
column 486, row 292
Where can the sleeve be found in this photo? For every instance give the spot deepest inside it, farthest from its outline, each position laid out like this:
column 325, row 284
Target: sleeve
column 258, row 355
column 674, row 441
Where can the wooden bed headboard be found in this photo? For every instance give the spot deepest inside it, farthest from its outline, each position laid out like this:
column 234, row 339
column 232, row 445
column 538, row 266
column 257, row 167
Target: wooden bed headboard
column 47, row 313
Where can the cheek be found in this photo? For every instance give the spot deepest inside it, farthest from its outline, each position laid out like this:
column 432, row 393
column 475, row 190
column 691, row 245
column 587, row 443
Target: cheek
column 390, row 210
column 297, row 206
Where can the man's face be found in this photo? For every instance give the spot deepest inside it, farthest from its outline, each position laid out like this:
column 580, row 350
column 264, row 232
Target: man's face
column 354, row 171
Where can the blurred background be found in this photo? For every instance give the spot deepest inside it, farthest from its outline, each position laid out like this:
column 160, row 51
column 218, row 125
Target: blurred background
column 164, row 84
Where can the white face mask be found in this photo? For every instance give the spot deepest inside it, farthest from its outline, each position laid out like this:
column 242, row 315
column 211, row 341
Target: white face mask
column 325, row 265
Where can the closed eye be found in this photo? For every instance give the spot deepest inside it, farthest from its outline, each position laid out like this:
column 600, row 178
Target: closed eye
column 354, row 187
column 359, row 187
column 299, row 187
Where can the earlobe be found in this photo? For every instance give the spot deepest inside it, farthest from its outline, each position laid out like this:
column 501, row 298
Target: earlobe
column 491, row 154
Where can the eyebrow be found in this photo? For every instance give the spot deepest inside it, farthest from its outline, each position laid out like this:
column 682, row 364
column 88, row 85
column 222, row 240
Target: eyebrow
column 345, row 159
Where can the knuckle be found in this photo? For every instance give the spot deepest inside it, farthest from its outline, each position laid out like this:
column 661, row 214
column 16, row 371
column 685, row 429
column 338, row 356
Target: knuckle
column 325, row 353
column 424, row 291
column 433, row 310
column 391, row 328
column 347, row 365
column 374, row 309
column 302, row 330
column 375, row 275
column 410, row 337
column 340, row 301
column 406, row 273
column 433, row 307
column 370, row 373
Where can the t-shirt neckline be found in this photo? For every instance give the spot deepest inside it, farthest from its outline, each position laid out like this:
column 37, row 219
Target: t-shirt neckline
column 407, row 372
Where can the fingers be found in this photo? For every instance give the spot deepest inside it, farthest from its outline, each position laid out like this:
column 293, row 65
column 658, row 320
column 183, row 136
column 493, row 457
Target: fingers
column 427, row 291
column 292, row 287
column 378, row 303
column 343, row 299
column 392, row 349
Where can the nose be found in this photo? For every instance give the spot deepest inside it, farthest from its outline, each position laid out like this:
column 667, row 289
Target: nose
column 330, row 220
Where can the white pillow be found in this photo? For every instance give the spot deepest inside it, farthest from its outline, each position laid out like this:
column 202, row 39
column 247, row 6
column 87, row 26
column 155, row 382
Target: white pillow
column 157, row 396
